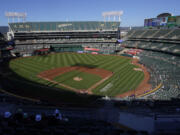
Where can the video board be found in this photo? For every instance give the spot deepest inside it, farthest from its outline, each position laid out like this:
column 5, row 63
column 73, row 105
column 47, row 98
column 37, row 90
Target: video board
column 163, row 21
column 148, row 22
column 155, row 22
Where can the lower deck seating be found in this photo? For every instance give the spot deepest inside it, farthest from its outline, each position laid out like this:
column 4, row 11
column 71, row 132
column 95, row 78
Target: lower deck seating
column 164, row 68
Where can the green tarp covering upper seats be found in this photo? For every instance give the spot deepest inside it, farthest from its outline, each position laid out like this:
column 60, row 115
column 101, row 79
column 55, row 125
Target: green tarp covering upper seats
column 63, row 26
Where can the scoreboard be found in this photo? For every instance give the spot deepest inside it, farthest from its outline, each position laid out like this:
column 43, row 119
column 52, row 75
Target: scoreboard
column 162, row 21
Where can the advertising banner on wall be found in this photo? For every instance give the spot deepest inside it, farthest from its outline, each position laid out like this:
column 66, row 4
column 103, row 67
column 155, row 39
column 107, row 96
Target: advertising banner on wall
column 91, row 49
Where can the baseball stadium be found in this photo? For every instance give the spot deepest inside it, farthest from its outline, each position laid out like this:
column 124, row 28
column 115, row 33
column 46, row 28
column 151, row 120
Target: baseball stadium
column 76, row 59
column 86, row 68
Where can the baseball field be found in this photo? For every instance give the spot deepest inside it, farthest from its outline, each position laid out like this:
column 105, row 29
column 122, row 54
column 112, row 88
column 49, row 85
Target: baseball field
column 84, row 73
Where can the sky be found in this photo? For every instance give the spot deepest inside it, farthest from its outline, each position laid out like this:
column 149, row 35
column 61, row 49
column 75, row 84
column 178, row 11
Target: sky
column 135, row 11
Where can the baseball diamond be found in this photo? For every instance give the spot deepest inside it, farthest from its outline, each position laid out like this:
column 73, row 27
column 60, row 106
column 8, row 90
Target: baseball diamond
column 96, row 71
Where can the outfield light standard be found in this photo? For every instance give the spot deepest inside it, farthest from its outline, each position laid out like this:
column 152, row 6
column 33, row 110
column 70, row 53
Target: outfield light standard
column 16, row 16
column 112, row 14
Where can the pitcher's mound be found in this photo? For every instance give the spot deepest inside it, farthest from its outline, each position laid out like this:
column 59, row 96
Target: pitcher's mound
column 77, row 78
column 138, row 69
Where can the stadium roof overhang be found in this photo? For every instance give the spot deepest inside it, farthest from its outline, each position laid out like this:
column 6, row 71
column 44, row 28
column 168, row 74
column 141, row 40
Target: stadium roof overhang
column 164, row 15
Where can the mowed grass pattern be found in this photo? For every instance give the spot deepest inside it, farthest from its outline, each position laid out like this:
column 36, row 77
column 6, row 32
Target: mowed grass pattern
column 87, row 79
column 123, row 79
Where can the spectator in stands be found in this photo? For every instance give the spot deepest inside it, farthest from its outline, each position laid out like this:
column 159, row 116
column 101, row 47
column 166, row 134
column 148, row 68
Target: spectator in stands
column 7, row 114
column 25, row 115
column 38, row 117
column 177, row 109
column 58, row 114
column 19, row 115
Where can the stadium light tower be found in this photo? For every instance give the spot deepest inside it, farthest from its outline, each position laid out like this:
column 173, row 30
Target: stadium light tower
column 16, row 15
column 114, row 14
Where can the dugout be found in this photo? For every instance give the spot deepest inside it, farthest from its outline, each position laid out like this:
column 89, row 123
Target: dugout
column 66, row 48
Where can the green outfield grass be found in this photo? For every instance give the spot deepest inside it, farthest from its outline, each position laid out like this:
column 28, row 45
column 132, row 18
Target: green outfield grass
column 123, row 79
column 87, row 79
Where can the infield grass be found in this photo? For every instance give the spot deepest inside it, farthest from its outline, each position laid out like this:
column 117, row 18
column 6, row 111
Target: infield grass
column 87, row 79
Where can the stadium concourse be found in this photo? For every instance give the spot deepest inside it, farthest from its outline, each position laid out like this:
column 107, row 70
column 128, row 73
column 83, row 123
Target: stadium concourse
column 150, row 113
